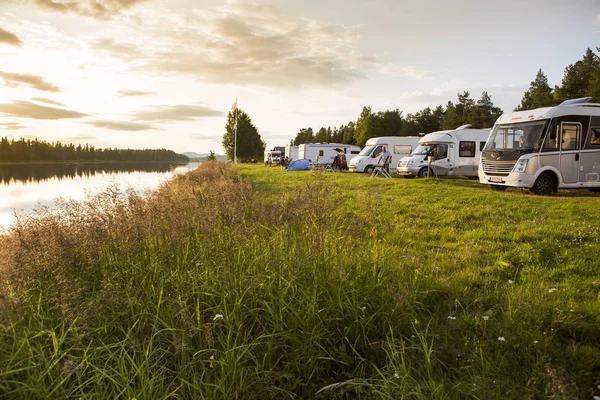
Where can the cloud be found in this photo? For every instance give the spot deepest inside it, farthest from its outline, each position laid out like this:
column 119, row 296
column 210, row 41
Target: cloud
column 248, row 44
column 131, row 93
column 9, row 38
column 34, row 81
column 122, row 125
column 101, row 9
column 181, row 112
column 79, row 138
column 116, row 49
column 26, row 109
column 11, row 126
column 48, row 101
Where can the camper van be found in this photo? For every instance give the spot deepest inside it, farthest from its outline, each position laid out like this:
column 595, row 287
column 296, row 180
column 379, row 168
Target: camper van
column 273, row 157
column 324, row 153
column 368, row 158
column 545, row 149
column 453, row 153
column 291, row 152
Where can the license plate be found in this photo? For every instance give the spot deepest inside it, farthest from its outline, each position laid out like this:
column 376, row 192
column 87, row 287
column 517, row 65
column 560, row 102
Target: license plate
column 496, row 180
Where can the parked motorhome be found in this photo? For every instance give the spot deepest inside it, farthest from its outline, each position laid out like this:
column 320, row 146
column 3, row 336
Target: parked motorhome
column 368, row 158
column 273, row 156
column 324, row 153
column 454, row 153
column 291, row 152
column 545, row 149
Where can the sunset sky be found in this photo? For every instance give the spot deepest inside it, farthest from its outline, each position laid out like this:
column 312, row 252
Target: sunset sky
column 164, row 74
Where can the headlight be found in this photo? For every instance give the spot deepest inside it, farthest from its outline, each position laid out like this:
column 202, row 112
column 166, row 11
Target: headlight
column 521, row 166
column 408, row 164
column 359, row 161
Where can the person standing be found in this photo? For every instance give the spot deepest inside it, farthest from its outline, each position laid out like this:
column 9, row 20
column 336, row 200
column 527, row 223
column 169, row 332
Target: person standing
column 385, row 159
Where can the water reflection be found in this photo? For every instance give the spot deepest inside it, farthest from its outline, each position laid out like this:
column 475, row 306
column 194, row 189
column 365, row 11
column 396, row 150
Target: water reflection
column 24, row 187
column 42, row 172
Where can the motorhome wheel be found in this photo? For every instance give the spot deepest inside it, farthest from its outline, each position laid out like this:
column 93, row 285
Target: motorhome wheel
column 543, row 186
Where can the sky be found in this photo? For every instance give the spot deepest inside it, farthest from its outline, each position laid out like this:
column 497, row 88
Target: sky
column 165, row 73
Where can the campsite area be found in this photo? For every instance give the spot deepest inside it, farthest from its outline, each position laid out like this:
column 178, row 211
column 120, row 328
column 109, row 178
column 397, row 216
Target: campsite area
column 247, row 282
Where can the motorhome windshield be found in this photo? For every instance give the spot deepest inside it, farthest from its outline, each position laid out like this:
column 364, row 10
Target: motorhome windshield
column 522, row 136
column 366, row 151
column 422, row 150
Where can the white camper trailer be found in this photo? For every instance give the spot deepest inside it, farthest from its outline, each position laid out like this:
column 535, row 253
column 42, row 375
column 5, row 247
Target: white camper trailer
column 454, row 153
column 368, row 158
column 545, row 149
column 291, row 152
column 324, row 153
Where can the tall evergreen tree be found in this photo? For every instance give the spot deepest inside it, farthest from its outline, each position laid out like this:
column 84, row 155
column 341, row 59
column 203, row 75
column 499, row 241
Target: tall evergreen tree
column 578, row 77
column 485, row 113
column 538, row 95
column 249, row 143
column 364, row 127
column 304, row 135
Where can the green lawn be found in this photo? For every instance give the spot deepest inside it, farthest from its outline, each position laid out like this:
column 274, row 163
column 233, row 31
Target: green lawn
column 257, row 283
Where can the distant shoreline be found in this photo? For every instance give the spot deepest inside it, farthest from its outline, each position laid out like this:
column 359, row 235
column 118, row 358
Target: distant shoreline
column 66, row 162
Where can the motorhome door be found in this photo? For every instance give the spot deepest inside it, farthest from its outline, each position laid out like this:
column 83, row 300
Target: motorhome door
column 569, row 151
column 443, row 155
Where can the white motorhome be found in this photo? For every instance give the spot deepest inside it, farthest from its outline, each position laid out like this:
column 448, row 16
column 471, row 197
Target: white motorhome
column 291, row 152
column 545, row 149
column 454, row 153
column 273, row 157
column 368, row 158
column 324, row 153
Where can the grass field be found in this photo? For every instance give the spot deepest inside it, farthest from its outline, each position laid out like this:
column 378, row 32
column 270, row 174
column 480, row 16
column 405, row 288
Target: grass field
column 257, row 283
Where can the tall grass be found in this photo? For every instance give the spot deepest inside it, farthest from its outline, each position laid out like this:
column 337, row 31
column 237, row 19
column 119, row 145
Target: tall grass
column 252, row 283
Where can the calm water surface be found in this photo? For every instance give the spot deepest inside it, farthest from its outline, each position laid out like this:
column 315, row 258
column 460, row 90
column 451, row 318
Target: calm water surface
column 23, row 187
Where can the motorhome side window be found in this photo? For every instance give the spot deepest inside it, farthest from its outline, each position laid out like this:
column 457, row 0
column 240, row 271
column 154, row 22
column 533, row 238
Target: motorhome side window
column 481, row 146
column 440, row 151
column 570, row 136
column 466, row 149
column 595, row 136
column 377, row 152
column 552, row 137
column 402, row 149
column 320, row 153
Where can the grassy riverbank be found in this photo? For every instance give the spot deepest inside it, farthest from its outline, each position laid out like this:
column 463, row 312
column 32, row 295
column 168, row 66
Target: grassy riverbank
column 258, row 283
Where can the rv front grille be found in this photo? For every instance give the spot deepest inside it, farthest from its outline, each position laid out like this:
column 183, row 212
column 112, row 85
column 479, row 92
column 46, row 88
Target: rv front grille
column 499, row 168
column 402, row 164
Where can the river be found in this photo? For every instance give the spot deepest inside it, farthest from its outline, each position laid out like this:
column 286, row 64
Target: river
column 24, row 187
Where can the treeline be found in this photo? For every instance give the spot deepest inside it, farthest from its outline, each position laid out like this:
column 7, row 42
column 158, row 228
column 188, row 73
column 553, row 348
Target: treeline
column 38, row 150
column 480, row 114
column 581, row 79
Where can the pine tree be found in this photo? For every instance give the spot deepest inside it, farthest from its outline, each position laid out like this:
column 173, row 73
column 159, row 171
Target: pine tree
column 578, row 77
column 249, row 143
column 538, row 95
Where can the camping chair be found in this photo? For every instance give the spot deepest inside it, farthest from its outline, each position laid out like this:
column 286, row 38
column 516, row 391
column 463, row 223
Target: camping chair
column 383, row 169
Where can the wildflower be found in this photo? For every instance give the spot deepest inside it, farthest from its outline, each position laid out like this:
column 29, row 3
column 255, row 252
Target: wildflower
column 218, row 317
column 552, row 290
column 486, row 317
column 363, row 309
column 596, row 397
column 572, row 310
column 511, row 281
column 396, row 375
column 501, row 338
column 535, row 342
column 452, row 318
column 211, row 358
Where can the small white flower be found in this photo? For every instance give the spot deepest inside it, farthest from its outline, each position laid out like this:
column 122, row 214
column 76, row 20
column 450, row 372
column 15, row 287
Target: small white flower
column 552, row 290
column 535, row 342
column 486, row 317
column 501, row 338
column 511, row 281
column 451, row 317
column 218, row 317
column 396, row 375
column 412, row 336
column 363, row 309
column 596, row 397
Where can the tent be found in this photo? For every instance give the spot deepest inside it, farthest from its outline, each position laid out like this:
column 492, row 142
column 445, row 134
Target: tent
column 299, row 165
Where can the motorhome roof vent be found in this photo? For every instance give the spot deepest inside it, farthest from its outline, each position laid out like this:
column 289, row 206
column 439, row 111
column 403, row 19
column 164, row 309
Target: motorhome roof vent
column 581, row 100
column 467, row 126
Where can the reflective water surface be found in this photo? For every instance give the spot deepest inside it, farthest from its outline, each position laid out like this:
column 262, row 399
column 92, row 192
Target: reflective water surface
column 23, row 187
